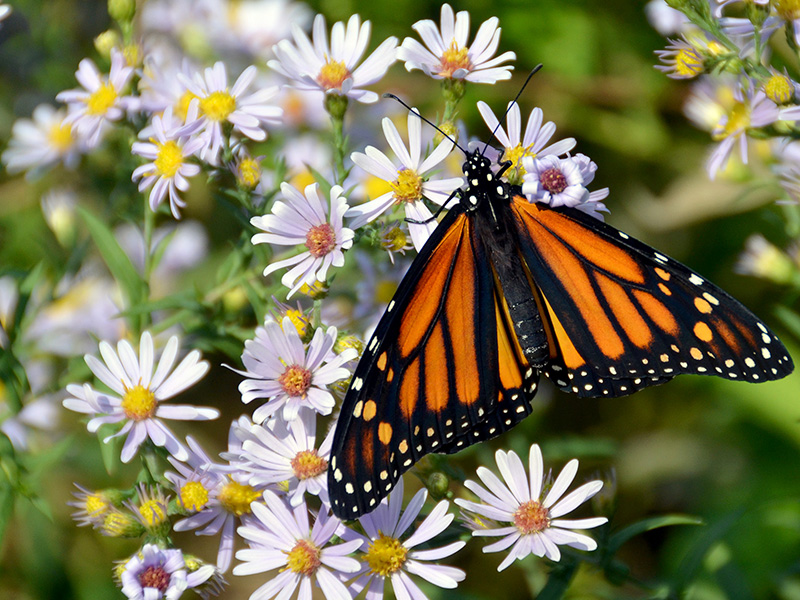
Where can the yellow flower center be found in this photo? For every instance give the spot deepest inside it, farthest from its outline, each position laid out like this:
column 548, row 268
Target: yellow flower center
column 688, row 63
column 193, row 495
column 454, row 58
column 307, row 464
column 181, row 107
column 153, row 512
column 155, row 577
column 295, row 380
column 386, row 555
column 531, row 517
column 395, row 240
column 101, row 99
column 236, row 497
column 516, row 154
column 303, row 558
column 716, row 49
column 139, row 403
column 779, row 89
column 299, row 320
column 407, row 187
column 321, row 240
column 788, row 9
column 60, row 136
column 117, row 524
column 249, row 173
column 96, row 505
column 218, row 105
column 738, row 121
column 169, row 158
column 332, row 75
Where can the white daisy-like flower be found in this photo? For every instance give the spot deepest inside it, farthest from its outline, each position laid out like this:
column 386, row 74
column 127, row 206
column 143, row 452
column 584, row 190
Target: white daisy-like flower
column 391, row 555
column 100, row 101
column 532, row 144
column 248, row 113
column 334, row 69
column 154, row 573
column 665, row 19
column 536, row 526
column 171, row 143
column 139, row 390
column 284, row 540
column 43, row 141
column 306, row 219
column 448, row 56
column 408, row 177
column 280, row 369
column 289, row 456
column 562, row 182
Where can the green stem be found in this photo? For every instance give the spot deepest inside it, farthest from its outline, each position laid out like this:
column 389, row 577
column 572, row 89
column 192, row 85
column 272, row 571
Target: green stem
column 337, row 107
column 149, row 226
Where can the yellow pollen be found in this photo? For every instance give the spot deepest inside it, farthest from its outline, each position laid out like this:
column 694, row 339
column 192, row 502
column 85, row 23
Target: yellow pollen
column 332, row 75
column 193, row 495
column 181, row 107
column 236, row 497
column 738, row 121
column 716, row 49
column 303, row 558
column 295, row 380
column 307, row 464
column 407, row 187
column 395, row 240
column 249, row 173
column 386, row 555
column 218, row 105
column 153, row 512
column 169, row 158
column 60, row 136
column 453, row 59
column 688, row 63
column 155, row 577
column 779, row 89
column 101, row 99
column 321, row 240
column 531, row 517
column 516, row 154
column 788, row 9
column 299, row 320
column 139, row 403
column 116, row 524
column 96, row 506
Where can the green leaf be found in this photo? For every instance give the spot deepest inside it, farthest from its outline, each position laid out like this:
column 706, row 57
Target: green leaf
column 118, row 263
column 631, row 531
column 110, row 451
column 6, row 508
column 789, row 318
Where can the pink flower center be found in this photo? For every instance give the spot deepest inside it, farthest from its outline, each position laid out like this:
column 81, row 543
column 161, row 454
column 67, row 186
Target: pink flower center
column 295, row 380
column 321, row 240
column 553, row 180
column 531, row 517
column 154, row 577
column 453, row 59
column 307, row 464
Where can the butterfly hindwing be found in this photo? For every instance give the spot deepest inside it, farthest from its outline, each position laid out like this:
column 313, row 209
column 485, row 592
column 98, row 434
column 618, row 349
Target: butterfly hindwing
column 624, row 316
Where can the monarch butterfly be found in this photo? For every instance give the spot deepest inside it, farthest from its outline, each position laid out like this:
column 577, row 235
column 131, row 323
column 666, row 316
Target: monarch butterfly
column 505, row 291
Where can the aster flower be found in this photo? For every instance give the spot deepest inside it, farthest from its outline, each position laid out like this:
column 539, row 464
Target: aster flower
column 154, row 573
column 150, row 509
column 291, row 457
column 390, row 555
column 280, row 368
column 306, row 219
column 681, row 60
column 751, row 110
column 763, row 259
column 535, row 526
column 218, row 494
column 171, row 143
column 562, row 182
column 100, row 102
column 138, row 392
column 43, row 141
column 334, row 69
column 448, row 56
column 283, row 539
column 248, row 113
column 92, row 506
column 408, row 177
column 532, row 144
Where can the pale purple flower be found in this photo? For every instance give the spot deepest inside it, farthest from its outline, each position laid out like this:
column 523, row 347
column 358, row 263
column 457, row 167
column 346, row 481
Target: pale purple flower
column 306, row 218
column 100, row 101
column 334, row 69
column 562, row 182
column 665, row 19
column 409, row 177
column 138, row 392
column 448, row 56
column 154, row 573
column 248, row 113
column 391, row 554
column 291, row 377
column 283, row 539
column 680, row 60
column 533, row 513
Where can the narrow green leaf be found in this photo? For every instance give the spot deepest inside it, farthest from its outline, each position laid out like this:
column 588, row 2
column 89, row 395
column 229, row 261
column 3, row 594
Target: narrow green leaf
column 631, row 531
column 110, row 451
column 789, row 318
column 558, row 581
column 6, row 508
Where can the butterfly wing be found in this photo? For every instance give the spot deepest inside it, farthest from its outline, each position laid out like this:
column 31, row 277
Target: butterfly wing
column 623, row 316
column 442, row 371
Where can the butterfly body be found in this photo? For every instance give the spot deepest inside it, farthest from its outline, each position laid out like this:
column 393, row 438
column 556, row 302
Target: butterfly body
column 506, row 291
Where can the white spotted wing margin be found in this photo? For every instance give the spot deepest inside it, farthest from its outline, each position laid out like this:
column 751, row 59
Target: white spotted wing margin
column 442, row 372
column 624, row 316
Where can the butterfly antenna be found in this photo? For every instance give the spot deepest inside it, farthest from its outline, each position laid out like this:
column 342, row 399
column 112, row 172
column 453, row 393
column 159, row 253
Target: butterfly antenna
column 512, row 103
column 416, row 112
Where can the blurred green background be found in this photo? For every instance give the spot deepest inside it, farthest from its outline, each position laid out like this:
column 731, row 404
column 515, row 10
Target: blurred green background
column 726, row 452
